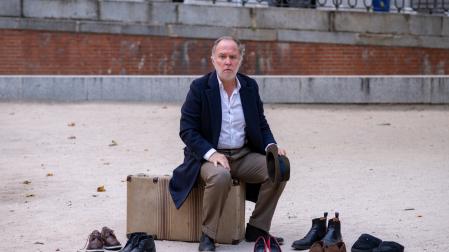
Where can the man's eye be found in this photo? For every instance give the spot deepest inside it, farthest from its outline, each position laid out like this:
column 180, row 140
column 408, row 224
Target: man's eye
column 222, row 57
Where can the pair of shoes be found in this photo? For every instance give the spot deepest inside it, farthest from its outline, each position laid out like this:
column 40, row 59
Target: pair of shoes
column 106, row 240
column 252, row 233
column 329, row 235
column 139, row 242
column 267, row 244
column 316, row 233
column 319, row 246
column 206, row 243
column 369, row 243
column 278, row 166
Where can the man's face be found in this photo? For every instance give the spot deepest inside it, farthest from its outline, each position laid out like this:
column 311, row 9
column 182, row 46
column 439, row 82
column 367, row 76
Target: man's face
column 226, row 59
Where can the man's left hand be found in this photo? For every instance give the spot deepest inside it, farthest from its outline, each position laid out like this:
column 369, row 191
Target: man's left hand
column 282, row 152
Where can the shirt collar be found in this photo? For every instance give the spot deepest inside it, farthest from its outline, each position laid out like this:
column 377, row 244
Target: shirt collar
column 220, row 84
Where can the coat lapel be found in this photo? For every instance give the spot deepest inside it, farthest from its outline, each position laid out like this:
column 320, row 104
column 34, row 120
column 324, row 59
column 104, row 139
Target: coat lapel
column 213, row 97
column 246, row 97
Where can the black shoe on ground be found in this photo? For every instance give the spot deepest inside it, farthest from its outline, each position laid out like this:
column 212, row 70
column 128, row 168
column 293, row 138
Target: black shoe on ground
column 260, row 245
column 252, row 233
column 139, row 241
column 316, row 233
column 206, row 243
column 273, row 244
column 146, row 244
column 333, row 234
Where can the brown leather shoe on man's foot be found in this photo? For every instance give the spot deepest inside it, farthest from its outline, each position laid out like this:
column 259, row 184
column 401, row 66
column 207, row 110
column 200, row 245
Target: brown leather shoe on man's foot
column 95, row 243
column 110, row 241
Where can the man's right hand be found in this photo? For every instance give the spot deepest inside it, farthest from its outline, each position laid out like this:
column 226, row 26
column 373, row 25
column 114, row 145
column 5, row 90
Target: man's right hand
column 218, row 158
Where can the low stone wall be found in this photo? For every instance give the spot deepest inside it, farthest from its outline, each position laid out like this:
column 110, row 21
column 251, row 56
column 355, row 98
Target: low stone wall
column 273, row 89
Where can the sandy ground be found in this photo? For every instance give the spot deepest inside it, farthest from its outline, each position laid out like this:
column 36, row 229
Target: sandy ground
column 384, row 168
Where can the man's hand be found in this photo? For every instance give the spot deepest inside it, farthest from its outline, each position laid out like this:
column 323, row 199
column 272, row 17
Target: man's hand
column 282, row 152
column 218, row 158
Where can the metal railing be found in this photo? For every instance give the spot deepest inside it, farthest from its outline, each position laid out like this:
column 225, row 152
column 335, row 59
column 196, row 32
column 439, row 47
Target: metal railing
column 440, row 7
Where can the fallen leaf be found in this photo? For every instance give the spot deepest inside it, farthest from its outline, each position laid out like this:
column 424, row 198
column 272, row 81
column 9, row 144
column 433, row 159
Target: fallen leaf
column 113, row 143
column 145, row 150
column 29, row 195
column 71, row 137
column 50, row 174
column 26, row 182
column 409, row 209
column 94, row 195
column 101, row 189
column 384, row 124
column 40, row 243
column 71, row 124
column 164, row 107
column 419, row 216
column 106, row 163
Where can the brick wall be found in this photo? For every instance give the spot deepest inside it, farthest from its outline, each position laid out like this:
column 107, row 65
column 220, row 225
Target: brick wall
column 39, row 52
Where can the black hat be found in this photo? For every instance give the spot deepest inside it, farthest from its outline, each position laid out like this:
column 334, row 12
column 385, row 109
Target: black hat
column 278, row 166
column 389, row 246
column 369, row 243
column 366, row 243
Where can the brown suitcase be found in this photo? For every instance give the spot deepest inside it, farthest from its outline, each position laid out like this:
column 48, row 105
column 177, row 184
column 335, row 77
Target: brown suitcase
column 150, row 209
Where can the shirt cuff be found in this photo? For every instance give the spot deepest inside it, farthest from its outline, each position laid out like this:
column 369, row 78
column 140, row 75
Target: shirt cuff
column 209, row 153
column 266, row 148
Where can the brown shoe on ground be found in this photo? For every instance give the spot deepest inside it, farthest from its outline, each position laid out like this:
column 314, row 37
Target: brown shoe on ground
column 95, row 243
column 110, row 242
column 338, row 247
column 319, row 246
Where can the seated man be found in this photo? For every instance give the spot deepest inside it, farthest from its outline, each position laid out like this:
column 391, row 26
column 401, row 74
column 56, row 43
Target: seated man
column 226, row 135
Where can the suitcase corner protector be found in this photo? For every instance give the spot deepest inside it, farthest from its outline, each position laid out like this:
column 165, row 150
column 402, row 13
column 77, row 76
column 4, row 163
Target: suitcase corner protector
column 235, row 242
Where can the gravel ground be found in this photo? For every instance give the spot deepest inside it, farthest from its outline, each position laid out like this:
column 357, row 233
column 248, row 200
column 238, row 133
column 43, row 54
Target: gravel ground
column 384, row 168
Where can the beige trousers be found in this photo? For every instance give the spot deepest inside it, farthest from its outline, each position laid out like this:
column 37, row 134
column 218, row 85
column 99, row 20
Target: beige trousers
column 249, row 167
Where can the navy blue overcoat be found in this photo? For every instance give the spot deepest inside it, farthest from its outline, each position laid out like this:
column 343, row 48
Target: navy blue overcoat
column 200, row 128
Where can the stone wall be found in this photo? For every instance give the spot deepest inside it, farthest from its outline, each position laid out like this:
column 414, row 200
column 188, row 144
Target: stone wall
column 149, row 37
column 273, row 89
